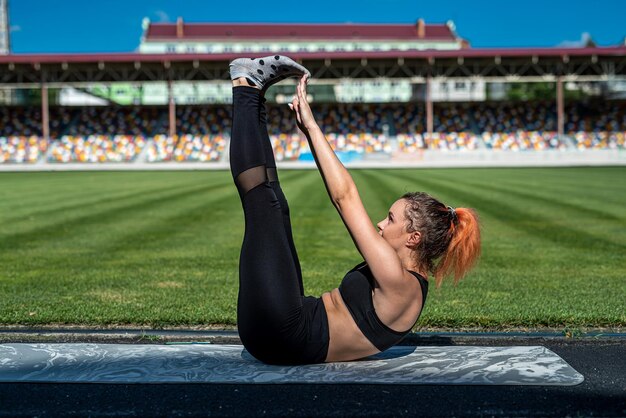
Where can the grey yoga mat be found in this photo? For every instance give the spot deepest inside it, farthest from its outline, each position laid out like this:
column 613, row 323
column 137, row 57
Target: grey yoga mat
column 207, row 363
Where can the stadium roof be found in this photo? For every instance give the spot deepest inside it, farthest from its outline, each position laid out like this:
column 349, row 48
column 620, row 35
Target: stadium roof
column 338, row 55
column 160, row 32
column 591, row 63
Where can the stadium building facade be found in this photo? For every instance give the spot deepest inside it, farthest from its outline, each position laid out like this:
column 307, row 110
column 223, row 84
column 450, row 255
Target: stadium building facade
column 255, row 38
column 240, row 38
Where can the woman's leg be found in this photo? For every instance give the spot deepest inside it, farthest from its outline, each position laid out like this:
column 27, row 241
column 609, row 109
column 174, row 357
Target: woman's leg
column 269, row 307
column 272, row 175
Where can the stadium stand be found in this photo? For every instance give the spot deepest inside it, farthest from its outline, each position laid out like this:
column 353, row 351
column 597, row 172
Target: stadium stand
column 193, row 120
column 22, row 149
column 522, row 140
column 202, row 135
column 410, row 143
column 453, row 129
column 288, row 147
column 120, row 134
column 520, row 126
column 20, row 133
column 408, row 127
column 26, row 121
column 162, row 148
column 105, row 134
column 349, row 127
column 96, row 148
column 599, row 140
column 199, row 148
column 111, row 121
column 597, row 126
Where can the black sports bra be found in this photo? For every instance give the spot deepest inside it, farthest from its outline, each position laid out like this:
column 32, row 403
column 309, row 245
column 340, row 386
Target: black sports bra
column 356, row 291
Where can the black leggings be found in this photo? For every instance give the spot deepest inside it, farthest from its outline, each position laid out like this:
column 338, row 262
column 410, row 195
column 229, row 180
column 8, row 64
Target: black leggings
column 277, row 324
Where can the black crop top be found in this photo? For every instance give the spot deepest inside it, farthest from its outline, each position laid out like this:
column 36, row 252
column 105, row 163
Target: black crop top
column 356, row 292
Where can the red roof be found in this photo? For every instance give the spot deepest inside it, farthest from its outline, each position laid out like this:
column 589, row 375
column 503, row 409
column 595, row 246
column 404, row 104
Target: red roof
column 255, row 31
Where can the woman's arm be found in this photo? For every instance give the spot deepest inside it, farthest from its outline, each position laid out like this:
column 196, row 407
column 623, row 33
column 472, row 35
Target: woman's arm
column 338, row 181
column 379, row 255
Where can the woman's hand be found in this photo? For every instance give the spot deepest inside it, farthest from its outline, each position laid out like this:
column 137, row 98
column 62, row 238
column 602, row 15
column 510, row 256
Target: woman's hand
column 300, row 105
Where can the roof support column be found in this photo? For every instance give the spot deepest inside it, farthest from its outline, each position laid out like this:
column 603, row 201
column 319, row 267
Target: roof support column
column 172, row 109
column 560, row 106
column 429, row 108
column 45, row 117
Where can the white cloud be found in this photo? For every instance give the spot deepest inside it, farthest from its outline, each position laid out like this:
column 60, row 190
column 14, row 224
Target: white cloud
column 162, row 16
column 582, row 42
column 15, row 28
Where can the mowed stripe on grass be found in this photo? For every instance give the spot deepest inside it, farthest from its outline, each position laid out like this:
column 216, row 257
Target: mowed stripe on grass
column 162, row 248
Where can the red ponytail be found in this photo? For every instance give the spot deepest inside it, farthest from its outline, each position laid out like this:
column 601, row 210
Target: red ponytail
column 464, row 248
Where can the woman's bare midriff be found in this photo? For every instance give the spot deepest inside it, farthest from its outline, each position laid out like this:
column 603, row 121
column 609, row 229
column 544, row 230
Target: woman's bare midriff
column 347, row 342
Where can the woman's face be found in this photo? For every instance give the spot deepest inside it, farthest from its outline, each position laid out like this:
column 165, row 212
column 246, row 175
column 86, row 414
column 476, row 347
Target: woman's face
column 393, row 227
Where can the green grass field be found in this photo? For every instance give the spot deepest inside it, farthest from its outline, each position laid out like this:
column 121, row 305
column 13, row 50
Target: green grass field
column 162, row 248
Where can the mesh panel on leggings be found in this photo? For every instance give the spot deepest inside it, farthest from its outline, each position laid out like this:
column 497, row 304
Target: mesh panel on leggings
column 272, row 174
column 251, row 178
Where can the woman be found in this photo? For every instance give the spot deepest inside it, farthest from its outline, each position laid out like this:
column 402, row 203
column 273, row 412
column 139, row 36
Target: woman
column 380, row 299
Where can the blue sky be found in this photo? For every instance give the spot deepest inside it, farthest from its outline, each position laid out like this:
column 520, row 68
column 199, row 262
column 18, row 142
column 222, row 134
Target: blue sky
column 115, row 25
